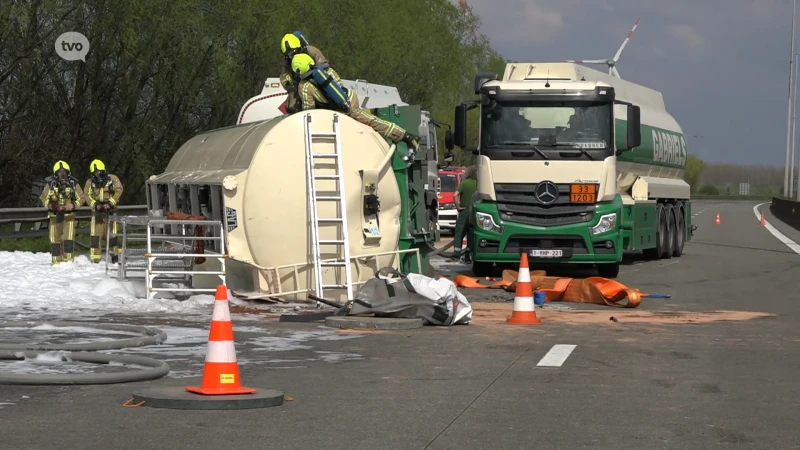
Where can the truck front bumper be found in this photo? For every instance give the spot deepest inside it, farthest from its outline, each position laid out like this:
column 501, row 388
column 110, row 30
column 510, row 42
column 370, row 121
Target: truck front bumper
column 447, row 219
column 562, row 244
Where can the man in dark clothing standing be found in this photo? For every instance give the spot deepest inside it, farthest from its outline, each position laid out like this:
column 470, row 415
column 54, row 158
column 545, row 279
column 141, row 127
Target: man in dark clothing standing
column 463, row 200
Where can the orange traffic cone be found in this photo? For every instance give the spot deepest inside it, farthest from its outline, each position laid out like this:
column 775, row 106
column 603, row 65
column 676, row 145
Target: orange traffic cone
column 763, row 222
column 524, row 312
column 716, row 222
column 221, row 371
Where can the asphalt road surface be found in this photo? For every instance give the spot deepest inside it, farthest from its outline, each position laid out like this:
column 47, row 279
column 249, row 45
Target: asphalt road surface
column 697, row 371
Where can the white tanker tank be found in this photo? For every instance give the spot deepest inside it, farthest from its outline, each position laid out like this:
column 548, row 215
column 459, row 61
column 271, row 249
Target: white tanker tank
column 256, row 174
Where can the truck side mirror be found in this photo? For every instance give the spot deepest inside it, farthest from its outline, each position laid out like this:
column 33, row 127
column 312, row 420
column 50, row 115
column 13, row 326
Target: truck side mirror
column 460, row 138
column 449, row 143
column 634, row 135
column 449, row 157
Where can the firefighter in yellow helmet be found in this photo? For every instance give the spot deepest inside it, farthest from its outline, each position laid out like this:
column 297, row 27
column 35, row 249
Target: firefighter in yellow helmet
column 103, row 191
column 61, row 195
column 313, row 96
column 293, row 44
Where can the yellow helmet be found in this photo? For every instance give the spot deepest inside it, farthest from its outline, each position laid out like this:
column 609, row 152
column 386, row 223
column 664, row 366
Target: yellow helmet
column 302, row 63
column 96, row 165
column 290, row 42
column 60, row 165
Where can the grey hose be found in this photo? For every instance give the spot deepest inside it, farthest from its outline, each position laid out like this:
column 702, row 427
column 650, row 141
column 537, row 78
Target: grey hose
column 437, row 251
column 155, row 369
column 150, row 336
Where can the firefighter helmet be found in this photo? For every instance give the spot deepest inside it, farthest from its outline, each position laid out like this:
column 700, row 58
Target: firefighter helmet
column 302, row 63
column 60, row 165
column 96, row 165
column 290, row 45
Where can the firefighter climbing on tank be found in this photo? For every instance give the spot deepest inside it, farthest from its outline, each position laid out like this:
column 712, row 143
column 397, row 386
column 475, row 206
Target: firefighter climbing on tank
column 293, row 44
column 103, row 191
column 61, row 195
column 320, row 86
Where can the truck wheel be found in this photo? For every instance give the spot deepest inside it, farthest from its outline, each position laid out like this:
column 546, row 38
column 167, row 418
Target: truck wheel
column 680, row 232
column 608, row 270
column 661, row 232
column 482, row 269
column 669, row 237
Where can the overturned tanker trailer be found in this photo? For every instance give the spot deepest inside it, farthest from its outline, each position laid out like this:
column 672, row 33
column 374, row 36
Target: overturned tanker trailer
column 253, row 179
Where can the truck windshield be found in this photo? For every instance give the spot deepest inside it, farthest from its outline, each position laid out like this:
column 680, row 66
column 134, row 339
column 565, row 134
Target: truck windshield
column 562, row 130
column 448, row 182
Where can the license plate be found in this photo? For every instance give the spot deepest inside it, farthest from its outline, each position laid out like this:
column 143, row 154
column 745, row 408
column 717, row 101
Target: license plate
column 547, row 253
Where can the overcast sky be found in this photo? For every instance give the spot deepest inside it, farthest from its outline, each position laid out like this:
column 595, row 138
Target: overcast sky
column 722, row 65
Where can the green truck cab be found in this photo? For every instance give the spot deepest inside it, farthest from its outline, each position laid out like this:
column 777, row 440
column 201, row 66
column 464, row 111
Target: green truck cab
column 575, row 166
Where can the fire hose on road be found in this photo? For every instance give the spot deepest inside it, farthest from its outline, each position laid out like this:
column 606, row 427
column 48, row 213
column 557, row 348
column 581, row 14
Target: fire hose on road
column 83, row 352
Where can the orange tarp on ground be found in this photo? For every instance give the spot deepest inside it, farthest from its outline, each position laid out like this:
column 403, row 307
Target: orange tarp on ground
column 597, row 290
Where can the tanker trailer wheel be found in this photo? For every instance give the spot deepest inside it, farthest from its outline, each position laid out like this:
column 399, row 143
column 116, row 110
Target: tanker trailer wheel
column 669, row 238
column 680, row 232
column 661, row 233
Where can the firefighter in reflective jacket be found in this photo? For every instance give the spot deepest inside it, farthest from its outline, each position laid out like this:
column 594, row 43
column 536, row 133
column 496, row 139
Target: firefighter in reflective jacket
column 313, row 95
column 103, row 191
column 293, row 44
column 61, row 195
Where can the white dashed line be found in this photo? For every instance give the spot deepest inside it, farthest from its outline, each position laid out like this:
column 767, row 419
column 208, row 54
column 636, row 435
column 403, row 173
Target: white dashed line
column 778, row 235
column 556, row 356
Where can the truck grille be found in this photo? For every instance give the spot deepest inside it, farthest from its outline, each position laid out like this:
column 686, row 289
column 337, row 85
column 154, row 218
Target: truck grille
column 517, row 203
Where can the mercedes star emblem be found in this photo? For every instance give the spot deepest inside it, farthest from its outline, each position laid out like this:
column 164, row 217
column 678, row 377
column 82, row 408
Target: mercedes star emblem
column 546, row 192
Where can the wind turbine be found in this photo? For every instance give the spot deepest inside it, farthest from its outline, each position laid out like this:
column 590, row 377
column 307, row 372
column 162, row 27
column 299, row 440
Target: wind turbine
column 611, row 63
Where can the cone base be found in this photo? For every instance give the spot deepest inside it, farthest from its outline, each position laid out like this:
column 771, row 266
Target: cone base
column 223, row 391
column 524, row 318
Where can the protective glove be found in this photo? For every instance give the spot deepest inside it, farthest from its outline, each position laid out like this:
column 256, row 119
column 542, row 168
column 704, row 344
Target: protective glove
column 53, row 206
column 98, row 206
column 106, row 206
column 69, row 206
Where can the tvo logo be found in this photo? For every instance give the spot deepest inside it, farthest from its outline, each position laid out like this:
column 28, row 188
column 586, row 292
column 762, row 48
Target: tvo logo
column 72, row 46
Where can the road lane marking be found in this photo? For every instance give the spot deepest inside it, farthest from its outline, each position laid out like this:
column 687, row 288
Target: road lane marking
column 794, row 246
column 556, row 356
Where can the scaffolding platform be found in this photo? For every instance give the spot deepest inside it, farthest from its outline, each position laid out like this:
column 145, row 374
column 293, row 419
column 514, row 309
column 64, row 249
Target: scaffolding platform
column 168, row 252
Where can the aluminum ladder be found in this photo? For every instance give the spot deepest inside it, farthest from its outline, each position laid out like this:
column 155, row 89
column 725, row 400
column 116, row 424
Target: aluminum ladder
column 312, row 177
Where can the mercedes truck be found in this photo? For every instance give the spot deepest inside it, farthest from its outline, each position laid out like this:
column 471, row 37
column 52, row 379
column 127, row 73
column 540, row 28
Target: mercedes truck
column 575, row 166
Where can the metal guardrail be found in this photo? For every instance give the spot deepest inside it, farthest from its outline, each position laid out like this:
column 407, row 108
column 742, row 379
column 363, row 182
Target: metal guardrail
column 38, row 216
column 38, row 219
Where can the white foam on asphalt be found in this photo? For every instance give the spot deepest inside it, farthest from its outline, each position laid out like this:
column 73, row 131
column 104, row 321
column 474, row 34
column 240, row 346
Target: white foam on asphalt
column 31, row 286
column 557, row 355
column 793, row 246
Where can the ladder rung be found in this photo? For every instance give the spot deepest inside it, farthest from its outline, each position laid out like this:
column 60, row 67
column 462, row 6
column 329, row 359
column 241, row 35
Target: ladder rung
column 325, row 155
column 335, row 286
column 328, row 198
column 326, row 177
column 329, row 219
column 333, row 263
column 331, row 242
column 328, row 134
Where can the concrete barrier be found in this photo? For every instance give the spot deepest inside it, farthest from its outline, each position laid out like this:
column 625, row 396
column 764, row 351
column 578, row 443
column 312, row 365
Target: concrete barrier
column 787, row 211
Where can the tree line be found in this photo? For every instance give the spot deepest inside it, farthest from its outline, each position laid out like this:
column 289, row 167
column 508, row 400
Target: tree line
column 715, row 179
column 160, row 72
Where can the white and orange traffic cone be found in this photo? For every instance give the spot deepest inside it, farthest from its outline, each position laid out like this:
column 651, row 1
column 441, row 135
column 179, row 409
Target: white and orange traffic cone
column 717, row 222
column 221, row 371
column 524, row 312
column 763, row 222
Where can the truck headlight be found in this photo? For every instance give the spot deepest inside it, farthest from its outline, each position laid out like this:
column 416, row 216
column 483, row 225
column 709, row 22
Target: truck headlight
column 486, row 222
column 607, row 223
